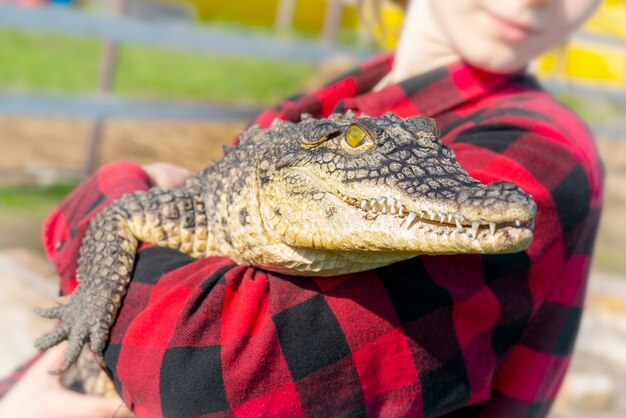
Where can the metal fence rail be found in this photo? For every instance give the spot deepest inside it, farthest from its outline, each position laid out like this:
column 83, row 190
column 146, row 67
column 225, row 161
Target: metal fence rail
column 203, row 38
column 163, row 34
column 168, row 34
column 108, row 107
column 117, row 29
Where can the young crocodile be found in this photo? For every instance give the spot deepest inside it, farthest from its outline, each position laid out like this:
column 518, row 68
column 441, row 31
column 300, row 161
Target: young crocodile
column 320, row 197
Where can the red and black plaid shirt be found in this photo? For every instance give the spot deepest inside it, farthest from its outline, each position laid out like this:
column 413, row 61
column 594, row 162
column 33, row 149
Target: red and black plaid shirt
column 467, row 335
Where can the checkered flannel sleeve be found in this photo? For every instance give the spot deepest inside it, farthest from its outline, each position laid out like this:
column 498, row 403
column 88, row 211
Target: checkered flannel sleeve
column 64, row 228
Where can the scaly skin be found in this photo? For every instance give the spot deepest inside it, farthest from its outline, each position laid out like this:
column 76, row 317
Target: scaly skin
column 321, row 197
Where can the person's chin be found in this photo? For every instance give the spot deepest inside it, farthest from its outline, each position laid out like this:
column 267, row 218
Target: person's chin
column 498, row 60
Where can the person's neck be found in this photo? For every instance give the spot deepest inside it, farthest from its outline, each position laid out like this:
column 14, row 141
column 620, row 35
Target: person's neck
column 422, row 46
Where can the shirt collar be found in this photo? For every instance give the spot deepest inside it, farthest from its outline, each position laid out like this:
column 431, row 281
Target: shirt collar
column 427, row 94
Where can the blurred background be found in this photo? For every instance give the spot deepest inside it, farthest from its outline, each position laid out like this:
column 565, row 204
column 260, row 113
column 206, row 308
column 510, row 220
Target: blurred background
column 86, row 82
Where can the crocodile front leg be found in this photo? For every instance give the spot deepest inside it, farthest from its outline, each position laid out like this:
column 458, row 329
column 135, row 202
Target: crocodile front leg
column 173, row 218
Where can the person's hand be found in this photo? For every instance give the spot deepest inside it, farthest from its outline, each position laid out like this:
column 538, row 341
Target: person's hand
column 166, row 175
column 40, row 395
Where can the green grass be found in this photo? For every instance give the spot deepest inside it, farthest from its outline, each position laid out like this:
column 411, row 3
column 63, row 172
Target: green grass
column 35, row 201
column 610, row 259
column 33, row 61
column 153, row 72
column 36, row 61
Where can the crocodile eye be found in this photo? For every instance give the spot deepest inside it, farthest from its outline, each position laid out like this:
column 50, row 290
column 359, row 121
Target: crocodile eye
column 355, row 135
column 359, row 138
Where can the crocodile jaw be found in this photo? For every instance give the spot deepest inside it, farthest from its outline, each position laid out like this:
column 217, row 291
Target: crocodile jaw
column 343, row 227
column 310, row 217
column 362, row 241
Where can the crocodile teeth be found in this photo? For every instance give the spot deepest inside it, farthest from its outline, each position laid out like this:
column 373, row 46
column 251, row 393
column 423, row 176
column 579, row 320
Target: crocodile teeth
column 475, row 226
column 518, row 223
column 459, row 227
column 373, row 206
column 383, row 204
column 390, row 205
column 410, row 219
column 393, row 210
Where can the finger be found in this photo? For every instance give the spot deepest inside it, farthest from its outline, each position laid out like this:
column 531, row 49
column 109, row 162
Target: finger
column 86, row 406
column 51, row 359
column 166, row 175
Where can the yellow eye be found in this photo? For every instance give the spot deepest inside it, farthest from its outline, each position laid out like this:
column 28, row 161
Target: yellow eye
column 355, row 135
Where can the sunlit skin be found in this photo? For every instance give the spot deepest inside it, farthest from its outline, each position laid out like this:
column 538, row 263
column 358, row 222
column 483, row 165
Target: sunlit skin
column 493, row 35
column 39, row 394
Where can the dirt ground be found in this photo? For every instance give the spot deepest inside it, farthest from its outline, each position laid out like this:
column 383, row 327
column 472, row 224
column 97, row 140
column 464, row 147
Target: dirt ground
column 45, row 150
column 36, row 147
column 48, row 150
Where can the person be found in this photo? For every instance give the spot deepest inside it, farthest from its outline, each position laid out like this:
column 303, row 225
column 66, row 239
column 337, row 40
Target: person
column 455, row 336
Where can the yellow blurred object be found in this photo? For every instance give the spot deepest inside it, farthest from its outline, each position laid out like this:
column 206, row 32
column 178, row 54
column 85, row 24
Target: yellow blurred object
column 588, row 62
column 387, row 28
column 609, row 19
column 255, row 13
column 308, row 16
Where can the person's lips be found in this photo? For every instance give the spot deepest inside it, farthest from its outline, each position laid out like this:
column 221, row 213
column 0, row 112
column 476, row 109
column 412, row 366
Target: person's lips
column 510, row 30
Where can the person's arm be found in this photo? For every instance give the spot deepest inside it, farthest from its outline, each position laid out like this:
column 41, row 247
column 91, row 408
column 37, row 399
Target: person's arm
column 31, row 390
column 200, row 336
column 63, row 230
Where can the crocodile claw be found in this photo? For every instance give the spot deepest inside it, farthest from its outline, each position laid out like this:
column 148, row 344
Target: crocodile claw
column 79, row 325
column 50, row 313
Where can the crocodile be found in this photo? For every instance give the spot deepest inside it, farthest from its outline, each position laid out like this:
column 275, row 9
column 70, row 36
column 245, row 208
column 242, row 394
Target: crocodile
column 320, row 197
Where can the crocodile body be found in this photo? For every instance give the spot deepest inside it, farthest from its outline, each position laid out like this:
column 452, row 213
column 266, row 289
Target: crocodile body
column 320, row 197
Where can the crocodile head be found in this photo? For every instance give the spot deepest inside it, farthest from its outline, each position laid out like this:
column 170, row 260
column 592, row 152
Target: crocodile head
column 377, row 190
